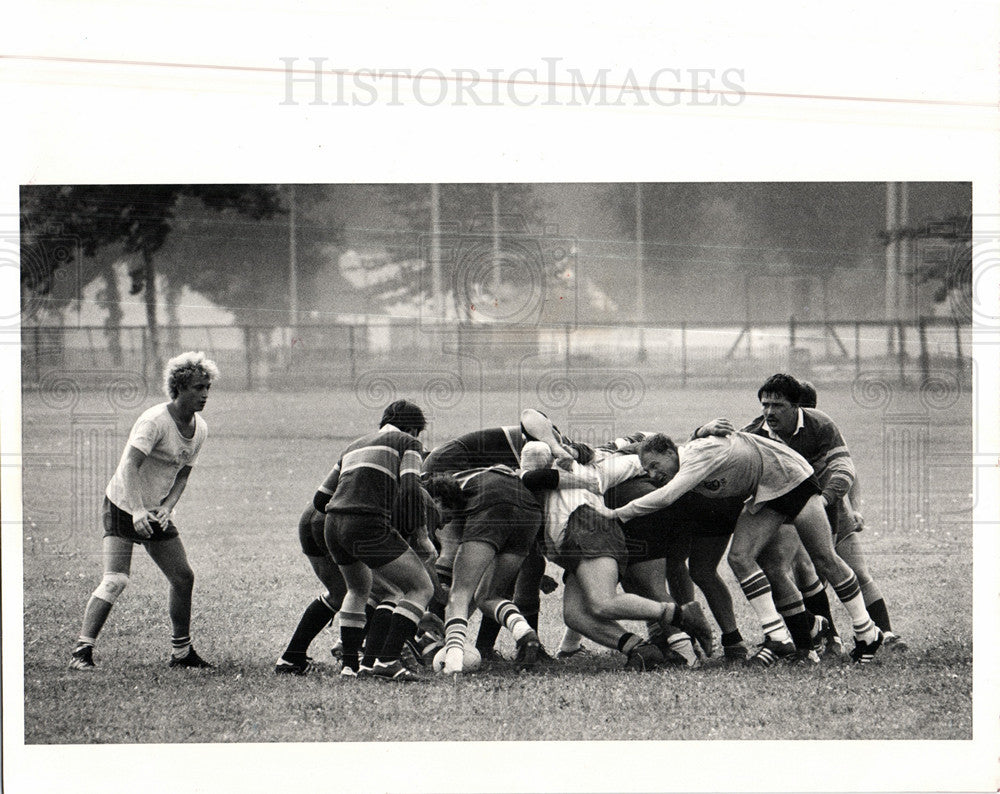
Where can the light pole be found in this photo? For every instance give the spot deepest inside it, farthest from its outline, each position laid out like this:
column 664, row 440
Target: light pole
column 640, row 283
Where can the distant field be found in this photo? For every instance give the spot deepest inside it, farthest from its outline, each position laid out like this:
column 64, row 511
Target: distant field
column 266, row 453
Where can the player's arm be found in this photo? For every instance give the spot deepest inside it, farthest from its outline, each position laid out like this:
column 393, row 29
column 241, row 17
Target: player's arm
column 693, row 470
column 410, row 498
column 162, row 513
column 325, row 492
column 555, row 478
column 717, row 427
column 839, row 474
column 134, row 458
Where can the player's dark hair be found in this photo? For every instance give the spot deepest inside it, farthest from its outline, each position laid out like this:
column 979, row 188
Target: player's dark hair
column 785, row 385
column 405, row 415
column 658, row 444
column 808, row 397
column 445, row 489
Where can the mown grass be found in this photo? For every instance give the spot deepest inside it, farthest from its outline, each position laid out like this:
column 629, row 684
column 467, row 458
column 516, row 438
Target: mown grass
column 265, row 454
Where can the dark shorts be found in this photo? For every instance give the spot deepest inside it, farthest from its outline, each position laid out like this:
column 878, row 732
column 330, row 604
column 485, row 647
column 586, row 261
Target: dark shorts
column 311, row 529
column 590, row 536
column 118, row 523
column 364, row 537
column 509, row 529
column 667, row 533
column 789, row 505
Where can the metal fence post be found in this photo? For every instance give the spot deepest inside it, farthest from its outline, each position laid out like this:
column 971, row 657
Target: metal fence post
column 351, row 341
column 901, row 352
column 684, row 357
column 857, row 349
column 925, row 358
column 960, row 361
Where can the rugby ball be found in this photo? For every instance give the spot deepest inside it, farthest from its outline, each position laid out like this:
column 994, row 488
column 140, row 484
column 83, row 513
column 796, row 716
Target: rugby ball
column 471, row 660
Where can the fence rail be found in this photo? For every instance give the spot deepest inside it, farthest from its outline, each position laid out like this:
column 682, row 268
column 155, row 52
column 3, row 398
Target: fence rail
column 317, row 355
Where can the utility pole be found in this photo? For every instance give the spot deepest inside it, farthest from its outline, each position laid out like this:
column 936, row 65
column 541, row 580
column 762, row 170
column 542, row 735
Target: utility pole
column 293, row 276
column 436, row 252
column 891, row 263
column 496, row 242
column 640, row 283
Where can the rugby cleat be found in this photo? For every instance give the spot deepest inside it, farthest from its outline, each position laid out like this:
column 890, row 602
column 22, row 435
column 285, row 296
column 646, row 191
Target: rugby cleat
column 348, row 672
column 737, row 652
column 82, row 658
column 577, row 651
column 820, row 633
column 771, row 651
column 286, row 667
column 394, row 671
column 805, row 656
column 192, row 660
column 644, row 656
column 864, row 652
column 893, row 642
column 528, row 651
column 694, row 622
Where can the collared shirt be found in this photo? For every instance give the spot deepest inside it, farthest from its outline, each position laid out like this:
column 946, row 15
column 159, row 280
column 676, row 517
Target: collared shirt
column 740, row 464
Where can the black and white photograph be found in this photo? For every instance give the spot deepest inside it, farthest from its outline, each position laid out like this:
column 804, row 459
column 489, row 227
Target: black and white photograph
column 623, row 424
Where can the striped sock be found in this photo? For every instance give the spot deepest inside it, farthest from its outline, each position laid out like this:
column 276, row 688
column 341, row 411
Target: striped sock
column 799, row 622
column 627, row 642
column 509, row 616
column 352, row 632
column 757, row 590
column 378, row 630
column 816, row 601
column 454, row 641
column 180, row 646
column 402, row 627
column 81, row 641
column 849, row 593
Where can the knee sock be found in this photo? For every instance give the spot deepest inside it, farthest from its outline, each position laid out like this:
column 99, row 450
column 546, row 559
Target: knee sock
column 880, row 614
column 799, row 623
column 316, row 617
column 378, row 630
column 628, row 641
column 402, row 627
column 509, row 615
column 757, row 590
column 849, row 593
column 352, row 633
column 816, row 601
column 489, row 630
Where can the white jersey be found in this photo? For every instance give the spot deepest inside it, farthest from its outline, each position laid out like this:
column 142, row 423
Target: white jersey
column 604, row 472
column 740, row 464
column 155, row 434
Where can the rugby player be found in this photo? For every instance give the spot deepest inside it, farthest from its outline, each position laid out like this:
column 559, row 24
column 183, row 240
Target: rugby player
column 361, row 535
column 593, row 554
column 139, row 501
column 778, row 484
column 500, row 520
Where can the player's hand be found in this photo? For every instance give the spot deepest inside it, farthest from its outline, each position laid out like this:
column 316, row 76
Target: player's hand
column 859, row 521
column 141, row 523
column 162, row 514
column 604, row 511
column 548, row 584
column 717, row 427
column 566, row 464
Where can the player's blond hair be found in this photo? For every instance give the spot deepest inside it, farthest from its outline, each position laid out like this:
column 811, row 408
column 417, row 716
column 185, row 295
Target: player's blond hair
column 536, row 455
column 182, row 369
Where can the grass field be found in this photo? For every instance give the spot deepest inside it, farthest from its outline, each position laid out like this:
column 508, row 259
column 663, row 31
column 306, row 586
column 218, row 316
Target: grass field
column 265, row 454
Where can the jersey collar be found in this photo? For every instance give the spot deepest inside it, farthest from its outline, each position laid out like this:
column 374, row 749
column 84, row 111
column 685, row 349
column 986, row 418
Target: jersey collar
column 798, row 426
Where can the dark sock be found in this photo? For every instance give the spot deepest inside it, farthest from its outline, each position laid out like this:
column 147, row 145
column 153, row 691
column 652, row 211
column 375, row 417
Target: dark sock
column 378, row 630
column 878, row 612
column 731, row 637
column 628, row 641
column 351, row 637
column 315, row 618
column 401, row 629
column 489, row 629
column 819, row 604
column 436, row 608
column 800, row 626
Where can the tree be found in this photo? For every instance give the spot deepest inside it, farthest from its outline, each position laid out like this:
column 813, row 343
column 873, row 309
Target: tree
column 134, row 220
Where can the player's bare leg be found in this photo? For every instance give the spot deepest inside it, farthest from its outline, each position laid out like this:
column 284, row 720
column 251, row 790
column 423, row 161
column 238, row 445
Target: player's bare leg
column 170, row 557
column 117, row 557
column 814, row 530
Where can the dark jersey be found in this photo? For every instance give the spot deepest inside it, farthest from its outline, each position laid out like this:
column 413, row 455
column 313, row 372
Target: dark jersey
column 494, row 446
column 372, row 471
column 485, row 488
column 818, row 440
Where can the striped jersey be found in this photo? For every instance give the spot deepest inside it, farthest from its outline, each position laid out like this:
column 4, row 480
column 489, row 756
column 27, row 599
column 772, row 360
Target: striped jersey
column 496, row 485
column 818, row 440
column 481, row 448
column 372, row 471
column 740, row 464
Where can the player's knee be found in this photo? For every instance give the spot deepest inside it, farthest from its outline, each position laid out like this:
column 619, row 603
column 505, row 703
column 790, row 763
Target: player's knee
column 182, row 579
column 742, row 564
column 703, row 575
column 111, row 587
